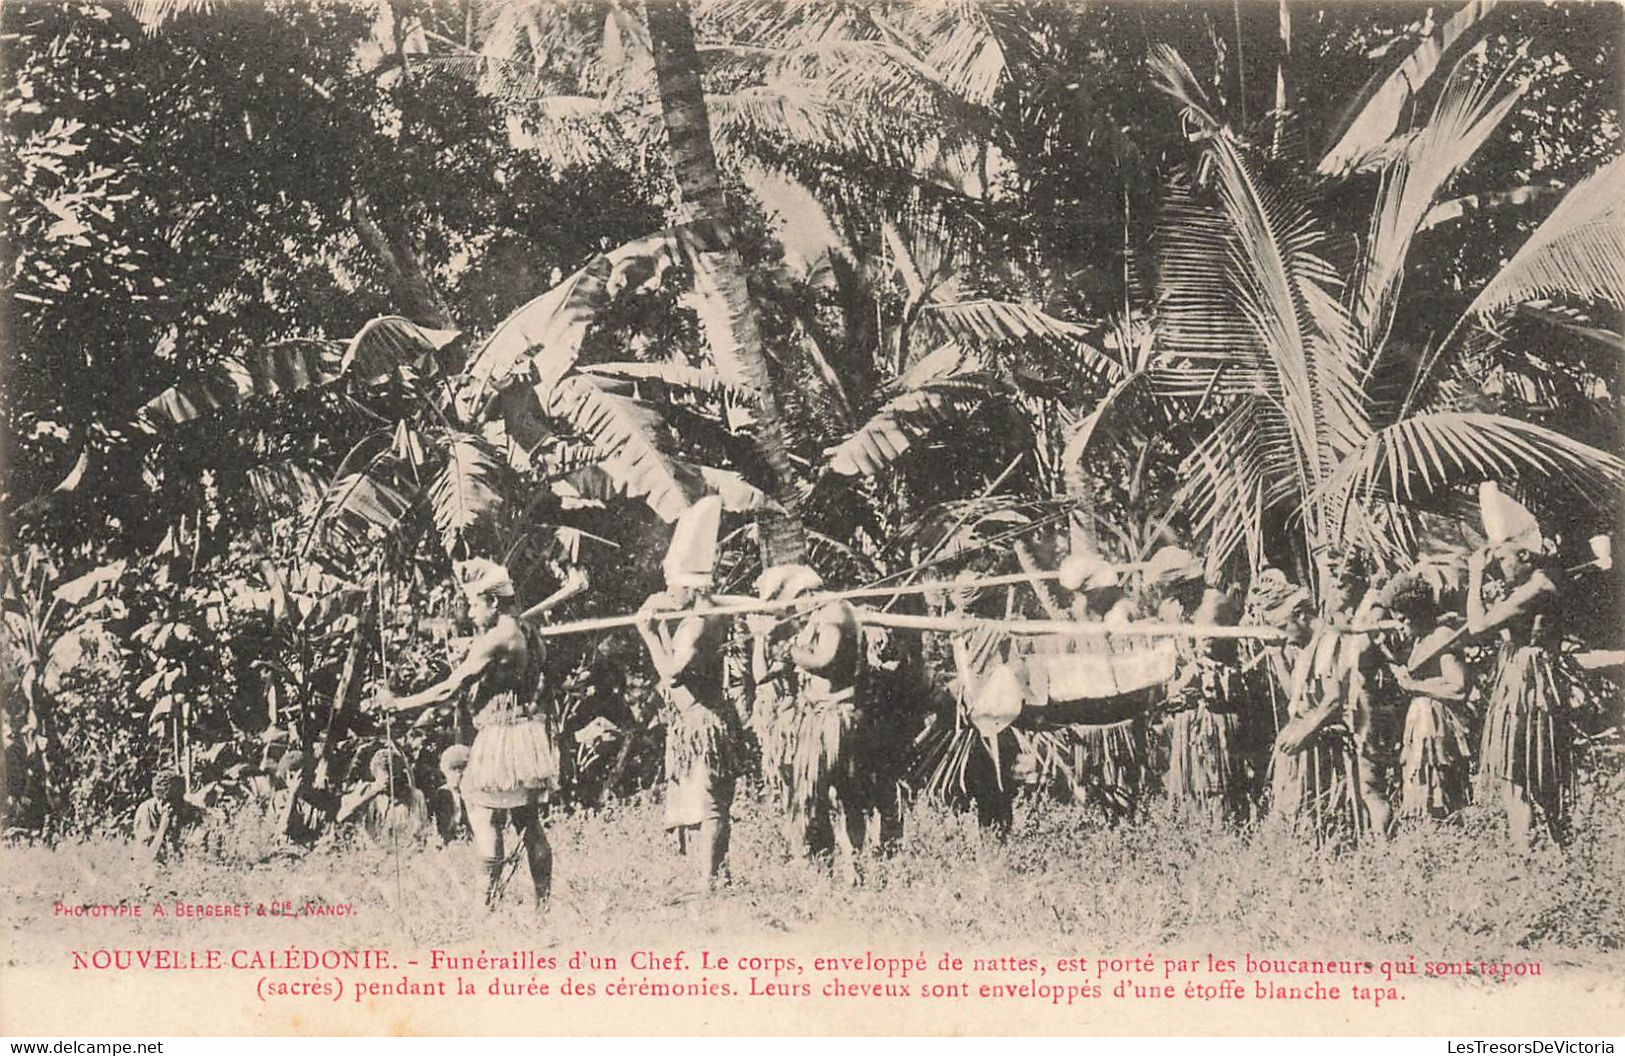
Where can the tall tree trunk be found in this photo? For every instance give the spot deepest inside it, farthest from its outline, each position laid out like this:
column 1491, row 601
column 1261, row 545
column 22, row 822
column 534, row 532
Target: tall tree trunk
column 408, row 284
column 1283, row 58
column 344, row 702
column 386, row 234
column 729, row 318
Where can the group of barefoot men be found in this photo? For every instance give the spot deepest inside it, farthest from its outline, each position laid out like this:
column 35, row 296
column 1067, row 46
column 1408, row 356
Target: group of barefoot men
column 1370, row 701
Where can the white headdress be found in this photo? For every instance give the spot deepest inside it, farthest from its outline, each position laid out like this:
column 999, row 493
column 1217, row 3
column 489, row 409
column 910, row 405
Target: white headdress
column 483, row 578
column 787, row 581
column 691, row 560
column 1507, row 523
column 1087, row 571
column 1172, row 564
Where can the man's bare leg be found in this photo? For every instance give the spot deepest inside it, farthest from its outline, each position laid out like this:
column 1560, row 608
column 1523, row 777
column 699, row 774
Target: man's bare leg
column 1377, row 809
column 1520, row 814
column 891, row 821
column 537, row 851
column 849, row 830
column 704, row 850
column 485, row 828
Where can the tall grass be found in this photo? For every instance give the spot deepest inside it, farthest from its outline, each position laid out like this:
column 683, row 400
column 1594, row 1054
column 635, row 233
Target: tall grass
column 1062, row 880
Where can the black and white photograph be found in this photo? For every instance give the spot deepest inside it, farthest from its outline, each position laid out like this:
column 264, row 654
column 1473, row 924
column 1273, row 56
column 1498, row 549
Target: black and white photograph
column 812, row 517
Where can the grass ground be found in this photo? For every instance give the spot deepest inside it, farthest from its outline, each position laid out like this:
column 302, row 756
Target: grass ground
column 1062, row 880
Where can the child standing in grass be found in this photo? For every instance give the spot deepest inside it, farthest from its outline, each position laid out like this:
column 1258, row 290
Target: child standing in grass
column 162, row 820
column 447, row 806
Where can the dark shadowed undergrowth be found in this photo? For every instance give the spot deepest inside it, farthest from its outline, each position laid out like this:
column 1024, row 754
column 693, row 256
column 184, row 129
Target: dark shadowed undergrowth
column 1062, row 882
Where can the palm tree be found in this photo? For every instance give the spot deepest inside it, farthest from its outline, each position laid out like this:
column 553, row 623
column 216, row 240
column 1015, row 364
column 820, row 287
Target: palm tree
column 727, row 313
column 1286, row 327
column 425, row 454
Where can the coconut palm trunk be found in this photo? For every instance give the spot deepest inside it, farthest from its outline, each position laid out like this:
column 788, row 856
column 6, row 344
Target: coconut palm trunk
column 729, row 318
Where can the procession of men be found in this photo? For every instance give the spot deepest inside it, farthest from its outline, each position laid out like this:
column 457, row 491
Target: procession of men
column 1345, row 721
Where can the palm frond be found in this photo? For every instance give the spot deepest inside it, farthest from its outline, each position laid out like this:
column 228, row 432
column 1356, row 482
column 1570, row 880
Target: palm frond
column 627, row 51
column 949, row 360
column 1466, row 205
column 1422, row 453
column 738, row 494
column 1234, row 475
column 1375, row 114
column 1127, row 410
column 385, row 345
column 286, row 483
column 1578, row 251
column 543, row 338
column 993, row 322
column 970, row 56
column 462, row 493
column 872, row 72
column 1247, row 286
column 1573, row 322
column 903, row 419
column 812, row 117
column 1172, row 75
column 794, row 23
column 370, row 500
column 1468, row 111
column 155, row 14
column 285, row 367
column 623, row 436
column 702, row 380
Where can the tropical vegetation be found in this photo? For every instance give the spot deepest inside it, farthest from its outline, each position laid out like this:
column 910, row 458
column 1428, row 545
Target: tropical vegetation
column 306, row 300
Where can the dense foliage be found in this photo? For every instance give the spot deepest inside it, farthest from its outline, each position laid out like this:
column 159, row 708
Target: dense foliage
column 304, row 300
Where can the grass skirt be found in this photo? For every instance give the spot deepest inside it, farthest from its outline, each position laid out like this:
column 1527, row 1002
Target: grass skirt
column 1104, row 762
column 512, row 764
column 955, row 765
column 1318, row 789
column 705, row 754
column 1204, row 755
column 777, row 736
column 1527, row 742
column 824, row 758
column 1434, row 760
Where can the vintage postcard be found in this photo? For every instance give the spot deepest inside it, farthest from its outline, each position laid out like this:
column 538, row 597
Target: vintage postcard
column 715, row 517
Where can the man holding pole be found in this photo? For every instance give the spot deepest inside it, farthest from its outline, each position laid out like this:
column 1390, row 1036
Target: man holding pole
column 513, row 765
column 705, row 753
column 829, row 788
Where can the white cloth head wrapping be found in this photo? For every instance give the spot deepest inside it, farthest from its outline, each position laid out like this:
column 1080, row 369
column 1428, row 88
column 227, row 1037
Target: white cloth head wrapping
column 483, row 578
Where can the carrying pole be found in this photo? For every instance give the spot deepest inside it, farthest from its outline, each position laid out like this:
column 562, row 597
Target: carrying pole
column 752, row 608
column 1066, row 628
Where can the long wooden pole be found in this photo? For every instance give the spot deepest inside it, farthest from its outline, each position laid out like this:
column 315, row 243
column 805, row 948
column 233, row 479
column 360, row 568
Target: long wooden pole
column 604, row 623
column 1068, row 628
column 938, row 623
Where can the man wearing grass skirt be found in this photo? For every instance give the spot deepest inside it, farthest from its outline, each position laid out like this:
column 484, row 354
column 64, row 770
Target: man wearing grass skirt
column 1206, row 766
column 513, row 765
column 1435, row 758
column 829, row 774
column 1330, row 765
column 1526, row 757
column 705, row 751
